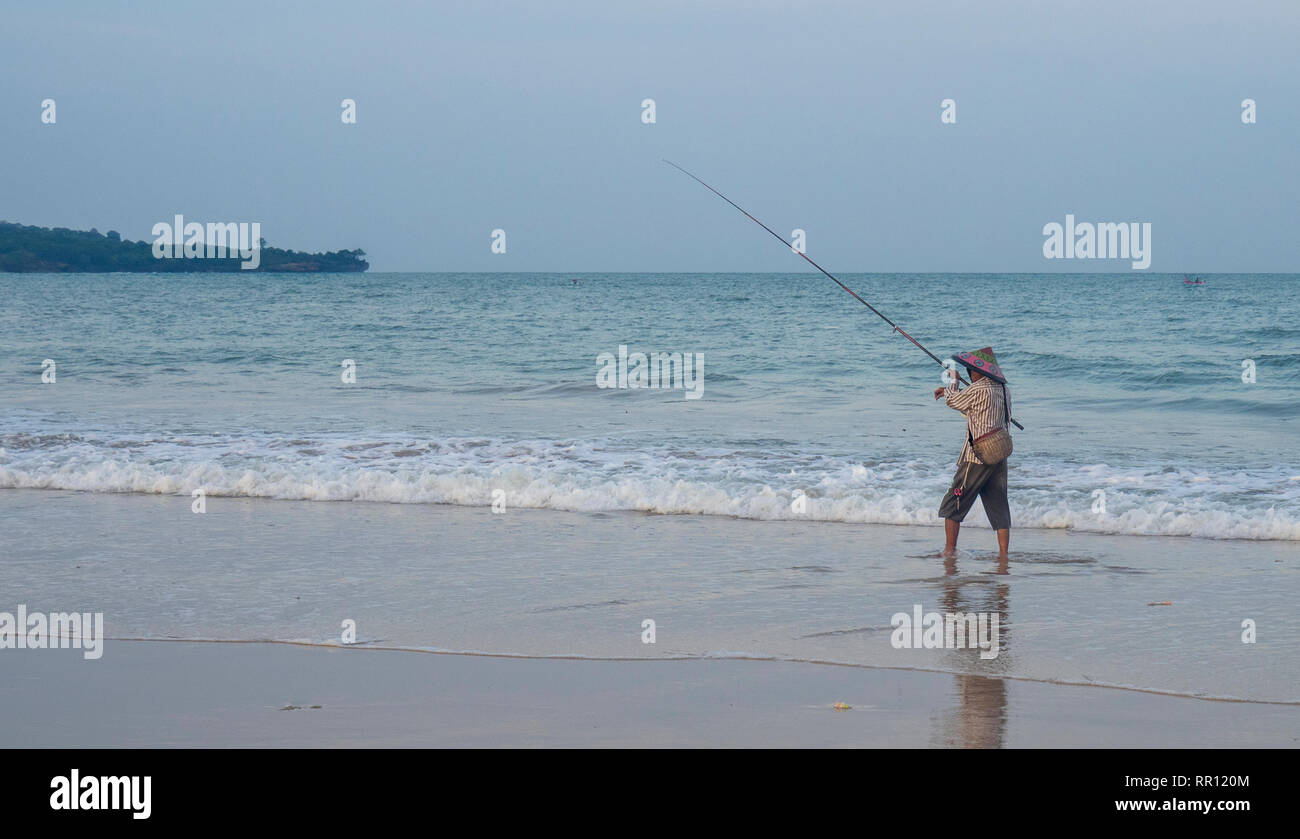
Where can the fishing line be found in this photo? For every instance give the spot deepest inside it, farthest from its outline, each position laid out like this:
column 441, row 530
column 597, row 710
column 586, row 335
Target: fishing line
column 810, row 261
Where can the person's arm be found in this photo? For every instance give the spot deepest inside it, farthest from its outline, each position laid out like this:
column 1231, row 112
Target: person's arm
column 960, row 400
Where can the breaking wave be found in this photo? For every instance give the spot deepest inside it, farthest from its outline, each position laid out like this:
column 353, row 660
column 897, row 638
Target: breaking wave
column 592, row 476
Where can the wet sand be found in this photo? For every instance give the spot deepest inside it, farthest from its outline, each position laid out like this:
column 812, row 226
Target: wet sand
column 815, row 599
column 1074, row 608
column 187, row 694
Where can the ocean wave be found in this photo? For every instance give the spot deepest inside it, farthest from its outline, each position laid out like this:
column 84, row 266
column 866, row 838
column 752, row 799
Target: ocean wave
column 749, row 481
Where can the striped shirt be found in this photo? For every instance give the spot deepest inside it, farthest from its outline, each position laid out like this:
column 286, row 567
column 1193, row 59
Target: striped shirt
column 982, row 404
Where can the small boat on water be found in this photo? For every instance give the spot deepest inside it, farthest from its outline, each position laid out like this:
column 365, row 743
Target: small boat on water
column 1189, row 281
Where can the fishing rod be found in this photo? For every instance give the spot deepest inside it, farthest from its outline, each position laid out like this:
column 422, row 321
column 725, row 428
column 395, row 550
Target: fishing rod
column 782, row 240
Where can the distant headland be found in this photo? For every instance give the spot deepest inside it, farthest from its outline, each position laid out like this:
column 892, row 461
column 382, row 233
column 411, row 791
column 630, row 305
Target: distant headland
column 28, row 249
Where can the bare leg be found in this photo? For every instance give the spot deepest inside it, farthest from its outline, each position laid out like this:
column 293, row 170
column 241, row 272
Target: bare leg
column 1004, row 539
column 950, row 531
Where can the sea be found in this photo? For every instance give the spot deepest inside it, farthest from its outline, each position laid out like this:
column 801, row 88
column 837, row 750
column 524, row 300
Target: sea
column 183, row 450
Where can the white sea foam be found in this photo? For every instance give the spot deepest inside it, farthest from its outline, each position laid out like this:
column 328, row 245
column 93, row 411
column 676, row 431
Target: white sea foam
column 587, row 476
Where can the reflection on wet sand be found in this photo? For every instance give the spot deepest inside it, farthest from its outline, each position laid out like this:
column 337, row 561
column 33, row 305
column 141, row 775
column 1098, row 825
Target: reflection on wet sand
column 980, row 717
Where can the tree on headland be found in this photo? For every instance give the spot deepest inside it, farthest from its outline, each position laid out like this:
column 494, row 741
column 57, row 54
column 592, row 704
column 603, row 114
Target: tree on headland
column 25, row 248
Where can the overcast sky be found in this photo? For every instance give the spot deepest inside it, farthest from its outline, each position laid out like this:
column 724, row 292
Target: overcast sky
column 526, row 116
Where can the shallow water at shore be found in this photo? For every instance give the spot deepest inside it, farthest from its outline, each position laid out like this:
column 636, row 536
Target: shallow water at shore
column 1073, row 608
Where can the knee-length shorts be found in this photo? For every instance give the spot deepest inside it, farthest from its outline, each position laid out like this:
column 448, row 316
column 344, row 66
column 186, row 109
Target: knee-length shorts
column 989, row 484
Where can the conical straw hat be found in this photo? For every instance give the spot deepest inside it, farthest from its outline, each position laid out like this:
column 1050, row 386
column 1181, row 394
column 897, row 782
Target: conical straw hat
column 984, row 361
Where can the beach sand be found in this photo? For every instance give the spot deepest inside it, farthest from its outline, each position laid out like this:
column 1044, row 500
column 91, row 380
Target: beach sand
column 176, row 694
column 192, row 604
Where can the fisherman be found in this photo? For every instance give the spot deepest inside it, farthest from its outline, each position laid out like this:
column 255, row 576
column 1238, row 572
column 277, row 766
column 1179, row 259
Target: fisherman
column 987, row 407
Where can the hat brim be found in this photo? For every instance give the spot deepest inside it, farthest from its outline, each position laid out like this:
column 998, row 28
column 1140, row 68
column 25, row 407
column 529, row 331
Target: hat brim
column 997, row 377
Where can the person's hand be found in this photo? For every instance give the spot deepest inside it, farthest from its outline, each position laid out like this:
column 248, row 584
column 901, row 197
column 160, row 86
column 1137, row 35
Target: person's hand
column 938, row 392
